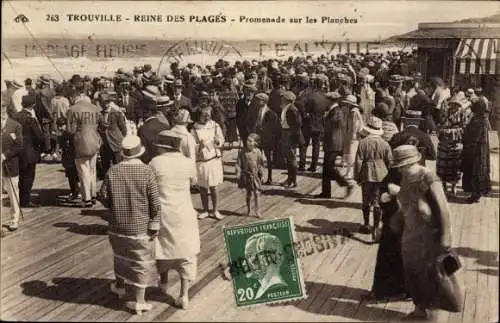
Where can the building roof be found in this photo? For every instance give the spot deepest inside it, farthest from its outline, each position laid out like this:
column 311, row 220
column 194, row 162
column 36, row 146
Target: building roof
column 451, row 31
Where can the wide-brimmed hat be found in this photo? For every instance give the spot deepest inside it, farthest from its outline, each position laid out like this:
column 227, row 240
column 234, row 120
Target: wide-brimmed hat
column 374, row 126
column 44, row 79
column 262, row 96
column 351, row 100
column 405, row 155
column 169, row 79
column 107, row 96
column 178, row 83
column 413, row 114
column 168, row 139
column 163, row 101
column 396, row 79
column 152, row 92
column 289, row 96
column 382, row 110
column 132, row 147
column 334, row 96
column 182, row 117
column 16, row 84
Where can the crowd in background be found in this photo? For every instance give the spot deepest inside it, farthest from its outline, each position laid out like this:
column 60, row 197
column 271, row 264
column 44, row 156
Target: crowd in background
column 368, row 117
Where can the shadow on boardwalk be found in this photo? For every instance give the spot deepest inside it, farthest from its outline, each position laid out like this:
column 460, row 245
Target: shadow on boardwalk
column 343, row 301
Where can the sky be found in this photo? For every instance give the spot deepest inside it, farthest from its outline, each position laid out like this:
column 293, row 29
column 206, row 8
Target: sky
column 375, row 19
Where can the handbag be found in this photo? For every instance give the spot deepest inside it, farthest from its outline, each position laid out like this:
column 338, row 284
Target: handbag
column 451, row 292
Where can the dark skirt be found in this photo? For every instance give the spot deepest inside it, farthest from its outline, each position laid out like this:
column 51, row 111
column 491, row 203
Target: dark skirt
column 250, row 182
column 231, row 130
column 388, row 279
column 448, row 162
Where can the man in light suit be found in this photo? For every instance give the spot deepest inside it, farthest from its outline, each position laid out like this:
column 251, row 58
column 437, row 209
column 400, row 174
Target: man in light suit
column 83, row 119
column 112, row 129
column 12, row 146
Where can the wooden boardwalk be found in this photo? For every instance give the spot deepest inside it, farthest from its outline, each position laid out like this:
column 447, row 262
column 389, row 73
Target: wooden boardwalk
column 58, row 266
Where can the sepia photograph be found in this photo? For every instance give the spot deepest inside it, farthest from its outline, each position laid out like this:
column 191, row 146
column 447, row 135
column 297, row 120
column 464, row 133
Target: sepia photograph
column 250, row 161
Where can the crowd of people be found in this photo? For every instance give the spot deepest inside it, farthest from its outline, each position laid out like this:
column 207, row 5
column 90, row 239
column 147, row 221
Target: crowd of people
column 154, row 139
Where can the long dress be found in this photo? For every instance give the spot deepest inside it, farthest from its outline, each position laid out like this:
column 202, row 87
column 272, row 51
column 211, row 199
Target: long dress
column 388, row 278
column 449, row 148
column 179, row 236
column 476, row 156
column 420, row 243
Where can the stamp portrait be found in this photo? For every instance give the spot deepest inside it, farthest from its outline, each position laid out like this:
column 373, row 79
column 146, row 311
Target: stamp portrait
column 264, row 265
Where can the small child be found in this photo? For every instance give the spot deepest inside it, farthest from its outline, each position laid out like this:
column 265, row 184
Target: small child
column 249, row 169
column 68, row 158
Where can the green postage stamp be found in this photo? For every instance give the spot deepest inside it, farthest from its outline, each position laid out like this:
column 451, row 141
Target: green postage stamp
column 263, row 262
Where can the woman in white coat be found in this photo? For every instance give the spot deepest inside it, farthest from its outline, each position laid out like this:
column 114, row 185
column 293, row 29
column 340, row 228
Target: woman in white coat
column 178, row 240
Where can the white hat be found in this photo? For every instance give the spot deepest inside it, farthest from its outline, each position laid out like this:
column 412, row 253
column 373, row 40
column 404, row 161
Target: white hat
column 132, row 147
column 151, row 92
column 374, row 126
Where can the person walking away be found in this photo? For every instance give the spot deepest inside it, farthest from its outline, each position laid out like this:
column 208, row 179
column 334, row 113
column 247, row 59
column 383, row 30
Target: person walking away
column 292, row 137
column 83, row 121
column 354, row 126
column 333, row 145
column 32, row 142
column 112, row 129
column 373, row 159
column 67, row 146
column 399, row 96
column 440, row 94
column 153, row 125
column 249, row 171
column 209, row 139
column 315, row 106
column 59, row 106
column 19, row 93
column 450, row 145
column 382, row 112
column 412, row 134
column 131, row 191
column 367, row 95
column 476, row 154
column 12, row 147
column 178, row 242
column 188, row 143
column 426, row 229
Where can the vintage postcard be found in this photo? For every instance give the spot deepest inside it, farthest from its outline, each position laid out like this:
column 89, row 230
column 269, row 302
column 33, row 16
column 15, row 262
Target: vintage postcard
column 258, row 161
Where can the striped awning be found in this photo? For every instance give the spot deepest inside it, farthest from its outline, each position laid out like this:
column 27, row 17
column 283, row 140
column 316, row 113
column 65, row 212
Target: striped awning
column 478, row 56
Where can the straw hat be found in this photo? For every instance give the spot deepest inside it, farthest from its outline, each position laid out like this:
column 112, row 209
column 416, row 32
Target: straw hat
column 334, row 96
column 413, row 114
column 44, row 79
column 168, row 139
column 178, row 83
column 262, row 96
column 132, row 147
column 163, row 101
column 405, row 155
column 151, row 92
column 16, row 84
column 182, row 117
column 351, row 100
column 289, row 96
column 374, row 126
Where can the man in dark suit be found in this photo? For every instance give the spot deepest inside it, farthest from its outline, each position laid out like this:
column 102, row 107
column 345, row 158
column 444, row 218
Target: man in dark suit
column 149, row 131
column 33, row 140
column 112, row 130
column 12, row 147
column 315, row 106
column 128, row 101
column 292, row 137
column 264, row 122
column 335, row 126
column 413, row 135
column 242, row 107
column 180, row 101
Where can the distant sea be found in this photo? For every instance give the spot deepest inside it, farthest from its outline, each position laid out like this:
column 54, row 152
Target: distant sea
column 61, row 58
